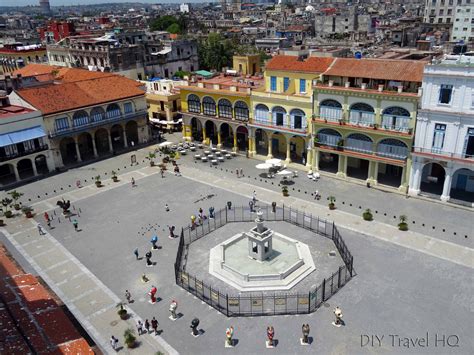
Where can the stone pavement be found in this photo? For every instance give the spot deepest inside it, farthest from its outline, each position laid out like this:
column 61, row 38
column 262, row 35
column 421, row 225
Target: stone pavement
column 91, row 302
column 432, row 246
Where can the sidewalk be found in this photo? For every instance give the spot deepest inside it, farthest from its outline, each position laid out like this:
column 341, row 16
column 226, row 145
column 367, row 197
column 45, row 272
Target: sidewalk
column 91, row 302
column 432, row 246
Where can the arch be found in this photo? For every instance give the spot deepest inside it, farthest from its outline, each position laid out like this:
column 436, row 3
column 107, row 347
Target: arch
column 396, row 118
column 128, row 107
column 278, row 141
column 97, row 114
column 84, row 140
column 7, row 174
column 194, row 103
column 227, row 135
column 225, row 108
column 41, row 164
column 25, row 168
column 298, row 149
column 261, row 113
column 80, row 118
column 297, row 119
column 330, row 103
column 461, row 187
column 211, row 131
column 396, row 110
column 113, row 110
column 67, row 147
column 131, row 130
column 279, row 116
column 261, row 142
column 116, row 134
column 242, row 137
column 101, row 137
column 196, row 129
column 363, row 107
column 359, row 143
column 392, row 148
column 362, row 114
column 328, row 137
column 432, row 179
column 241, row 111
column 208, row 106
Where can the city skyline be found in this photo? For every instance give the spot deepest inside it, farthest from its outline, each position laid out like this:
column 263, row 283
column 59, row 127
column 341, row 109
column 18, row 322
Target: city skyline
column 54, row 3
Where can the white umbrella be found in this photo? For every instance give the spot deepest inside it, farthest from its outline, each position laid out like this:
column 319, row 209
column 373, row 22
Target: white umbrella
column 273, row 161
column 263, row 166
column 165, row 144
column 285, row 172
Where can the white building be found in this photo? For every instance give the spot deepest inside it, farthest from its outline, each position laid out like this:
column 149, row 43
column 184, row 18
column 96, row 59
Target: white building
column 463, row 26
column 184, row 8
column 443, row 155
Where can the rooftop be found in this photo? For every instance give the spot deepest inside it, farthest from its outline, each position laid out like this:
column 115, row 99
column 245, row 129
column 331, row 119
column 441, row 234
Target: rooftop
column 292, row 63
column 12, row 110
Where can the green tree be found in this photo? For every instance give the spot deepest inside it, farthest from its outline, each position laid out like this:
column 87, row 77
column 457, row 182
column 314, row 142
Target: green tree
column 174, row 28
column 215, row 52
column 162, row 23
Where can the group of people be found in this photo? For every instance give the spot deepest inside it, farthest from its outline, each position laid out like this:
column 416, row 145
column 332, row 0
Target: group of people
column 201, row 217
column 144, row 327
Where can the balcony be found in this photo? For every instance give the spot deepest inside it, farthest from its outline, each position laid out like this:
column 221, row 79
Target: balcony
column 333, row 114
column 234, row 117
column 281, row 125
column 24, row 153
column 361, row 118
column 437, row 152
column 113, row 119
column 395, row 123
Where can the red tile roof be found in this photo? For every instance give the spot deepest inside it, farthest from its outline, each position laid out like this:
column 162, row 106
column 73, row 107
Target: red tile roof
column 382, row 69
column 78, row 88
column 291, row 63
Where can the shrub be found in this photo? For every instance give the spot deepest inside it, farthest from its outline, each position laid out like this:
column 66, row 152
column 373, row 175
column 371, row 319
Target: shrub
column 367, row 215
column 403, row 225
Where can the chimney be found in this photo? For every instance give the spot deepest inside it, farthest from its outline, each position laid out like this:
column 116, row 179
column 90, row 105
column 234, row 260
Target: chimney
column 400, row 89
column 347, row 84
column 381, row 87
column 363, row 86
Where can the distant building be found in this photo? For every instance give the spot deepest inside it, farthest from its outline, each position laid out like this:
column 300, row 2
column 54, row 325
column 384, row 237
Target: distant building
column 45, row 8
column 55, row 31
column 184, row 8
column 15, row 55
column 246, row 64
column 463, row 24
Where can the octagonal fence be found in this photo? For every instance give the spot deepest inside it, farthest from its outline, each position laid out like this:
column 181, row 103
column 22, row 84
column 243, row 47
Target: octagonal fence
column 259, row 303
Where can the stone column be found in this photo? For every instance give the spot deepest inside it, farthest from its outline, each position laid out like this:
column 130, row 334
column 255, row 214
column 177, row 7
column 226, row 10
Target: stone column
column 309, row 157
column 33, row 165
column 415, row 180
column 342, row 166
column 373, row 171
column 125, row 143
column 403, row 181
column 94, row 148
column 111, row 147
column 447, row 186
column 235, row 142
column 269, row 142
column 15, row 171
column 288, row 152
column 78, row 152
column 315, row 164
column 219, row 139
column 204, row 138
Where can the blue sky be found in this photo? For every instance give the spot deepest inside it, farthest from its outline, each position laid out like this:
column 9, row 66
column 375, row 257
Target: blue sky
column 86, row 2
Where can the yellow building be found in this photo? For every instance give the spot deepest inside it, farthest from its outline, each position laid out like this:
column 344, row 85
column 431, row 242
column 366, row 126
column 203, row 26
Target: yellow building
column 364, row 119
column 282, row 109
column 15, row 56
column 246, row 64
column 217, row 110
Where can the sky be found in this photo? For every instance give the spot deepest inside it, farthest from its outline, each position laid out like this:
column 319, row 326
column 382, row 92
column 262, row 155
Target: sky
column 88, row 2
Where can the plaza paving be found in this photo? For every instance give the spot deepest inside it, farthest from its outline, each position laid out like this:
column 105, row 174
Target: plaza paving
column 397, row 289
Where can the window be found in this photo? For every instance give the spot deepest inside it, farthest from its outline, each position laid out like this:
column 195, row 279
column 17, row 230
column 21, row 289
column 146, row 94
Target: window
column 261, row 113
column 448, row 20
column 162, row 106
column 61, row 124
column 241, row 111
column 302, row 86
column 80, row 118
column 194, row 104
column 441, row 12
column 128, row 108
column 438, row 137
column 225, row 108
column 450, row 11
column 286, row 84
column 445, row 94
column 209, row 106
column 273, row 83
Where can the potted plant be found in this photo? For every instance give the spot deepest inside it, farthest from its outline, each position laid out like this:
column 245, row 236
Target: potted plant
column 129, row 338
column 28, row 211
column 2, row 223
column 340, row 144
column 284, row 190
column 6, row 202
column 332, row 204
column 403, row 225
column 151, row 156
column 376, row 126
column 122, row 312
column 98, row 183
column 316, row 141
column 367, row 215
column 16, row 196
column 114, row 176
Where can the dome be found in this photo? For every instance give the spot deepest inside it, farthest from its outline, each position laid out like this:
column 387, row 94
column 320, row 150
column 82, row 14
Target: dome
column 309, row 8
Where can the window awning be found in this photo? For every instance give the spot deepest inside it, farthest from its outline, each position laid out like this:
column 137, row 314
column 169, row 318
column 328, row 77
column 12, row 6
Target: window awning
column 5, row 140
column 25, row 134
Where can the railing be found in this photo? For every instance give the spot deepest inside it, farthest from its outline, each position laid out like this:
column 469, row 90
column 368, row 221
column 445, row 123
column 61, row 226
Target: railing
column 361, row 118
column 357, row 145
column 256, row 303
column 22, row 154
column 106, row 120
column 392, row 151
column 267, row 123
column 438, row 151
column 330, row 113
column 328, row 139
column 401, row 123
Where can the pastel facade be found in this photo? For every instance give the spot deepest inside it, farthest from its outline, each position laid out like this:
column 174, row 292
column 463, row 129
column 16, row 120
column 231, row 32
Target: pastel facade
column 443, row 156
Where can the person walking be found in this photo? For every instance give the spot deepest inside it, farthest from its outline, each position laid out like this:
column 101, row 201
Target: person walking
column 162, row 171
column 76, row 225
column 154, row 325
column 317, row 196
column 133, row 182
column 241, row 172
column 128, row 296
column 251, row 205
column 147, row 326
column 139, row 327
column 40, row 230
column 237, row 172
column 167, row 208
column 136, row 253
column 114, row 342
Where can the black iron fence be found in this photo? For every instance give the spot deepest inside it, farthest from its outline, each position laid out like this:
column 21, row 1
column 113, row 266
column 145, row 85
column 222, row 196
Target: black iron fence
column 268, row 303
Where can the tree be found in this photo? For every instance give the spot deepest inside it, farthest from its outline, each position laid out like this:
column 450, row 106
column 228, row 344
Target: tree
column 162, row 23
column 215, row 52
column 174, row 28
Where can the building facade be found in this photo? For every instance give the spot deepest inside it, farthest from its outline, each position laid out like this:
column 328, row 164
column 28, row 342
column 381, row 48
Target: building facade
column 87, row 114
column 15, row 56
column 443, row 156
column 463, row 24
column 364, row 119
column 24, row 145
column 282, row 108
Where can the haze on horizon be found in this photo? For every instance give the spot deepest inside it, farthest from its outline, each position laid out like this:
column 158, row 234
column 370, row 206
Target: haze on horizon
column 91, row 2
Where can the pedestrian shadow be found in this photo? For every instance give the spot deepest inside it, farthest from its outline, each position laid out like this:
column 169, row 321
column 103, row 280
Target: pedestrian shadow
column 179, row 315
column 79, row 230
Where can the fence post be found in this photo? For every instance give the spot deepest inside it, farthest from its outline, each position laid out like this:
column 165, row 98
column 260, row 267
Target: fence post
column 324, row 290
column 226, row 214
column 333, row 230
column 352, row 260
column 227, row 302
column 339, row 278
column 283, row 211
column 309, row 301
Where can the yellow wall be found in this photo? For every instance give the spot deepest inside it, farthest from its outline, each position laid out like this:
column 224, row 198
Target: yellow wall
column 294, row 87
column 233, row 98
column 247, row 63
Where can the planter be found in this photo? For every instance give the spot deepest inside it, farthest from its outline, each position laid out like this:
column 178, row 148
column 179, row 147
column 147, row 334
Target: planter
column 403, row 226
column 131, row 344
column 152, row 163
column 2, row 223
column 29, row 214
column 122, row 314
column 114, row 178
column 8, row 214
column 286, row 194
column 16, row 206
column 98, row 183
column 367, row 216
column 332, row 206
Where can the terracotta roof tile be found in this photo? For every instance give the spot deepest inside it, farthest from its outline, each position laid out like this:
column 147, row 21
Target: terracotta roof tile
column 383, row 69
column 291, row 63
column 70, row 95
